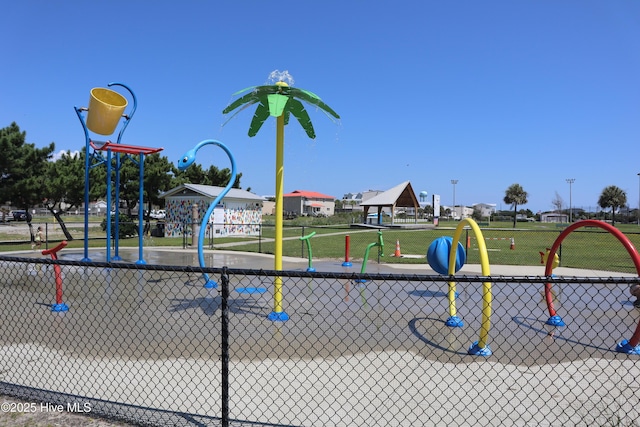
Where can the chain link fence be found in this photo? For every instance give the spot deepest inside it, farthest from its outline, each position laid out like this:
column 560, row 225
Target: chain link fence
column 149, row 344
column 588, row 247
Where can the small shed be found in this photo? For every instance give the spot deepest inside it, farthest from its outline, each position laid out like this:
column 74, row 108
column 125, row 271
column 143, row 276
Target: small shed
column 400, row 196
column 554, row 217
column 240, row 212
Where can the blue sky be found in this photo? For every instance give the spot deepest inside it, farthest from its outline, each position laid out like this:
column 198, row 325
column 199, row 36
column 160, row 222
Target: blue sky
column 489, row 93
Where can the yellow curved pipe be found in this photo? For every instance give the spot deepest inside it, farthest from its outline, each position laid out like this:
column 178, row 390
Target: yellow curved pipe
column 486, row 286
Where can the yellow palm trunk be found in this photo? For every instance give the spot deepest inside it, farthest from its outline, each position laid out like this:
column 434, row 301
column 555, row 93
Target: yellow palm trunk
column 277, row 289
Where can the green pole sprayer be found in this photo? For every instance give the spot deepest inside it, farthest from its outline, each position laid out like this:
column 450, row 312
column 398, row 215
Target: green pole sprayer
column 307, row 239
column 361, row 282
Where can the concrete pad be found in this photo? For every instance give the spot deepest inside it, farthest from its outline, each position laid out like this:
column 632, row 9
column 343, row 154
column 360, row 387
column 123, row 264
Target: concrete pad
column 351, row 354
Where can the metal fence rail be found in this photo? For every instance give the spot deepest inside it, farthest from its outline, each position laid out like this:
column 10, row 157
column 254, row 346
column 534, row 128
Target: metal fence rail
column 149, row 344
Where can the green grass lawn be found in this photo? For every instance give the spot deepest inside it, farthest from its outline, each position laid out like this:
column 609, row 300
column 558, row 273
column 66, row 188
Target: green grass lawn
column 584, row 248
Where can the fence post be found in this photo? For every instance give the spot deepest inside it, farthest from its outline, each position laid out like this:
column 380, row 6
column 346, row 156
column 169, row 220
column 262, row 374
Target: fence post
column 225, row 346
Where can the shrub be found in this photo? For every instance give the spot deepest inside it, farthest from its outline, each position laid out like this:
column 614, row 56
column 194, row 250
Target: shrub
column 126, row 226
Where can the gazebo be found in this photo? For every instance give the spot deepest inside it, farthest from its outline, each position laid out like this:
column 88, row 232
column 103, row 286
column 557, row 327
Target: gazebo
column 400, row 196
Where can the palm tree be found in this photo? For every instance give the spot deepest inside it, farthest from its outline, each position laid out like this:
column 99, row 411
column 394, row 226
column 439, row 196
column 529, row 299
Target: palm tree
column 612, row 197
column 514, row 196
column 279, row 101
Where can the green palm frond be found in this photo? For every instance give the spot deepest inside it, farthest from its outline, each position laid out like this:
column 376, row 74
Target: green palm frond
column 244, row 107
column 312, row 98
column 297, row 109
column 244, row 90
column 261, row 114
column 248, row 98
column 279, row 100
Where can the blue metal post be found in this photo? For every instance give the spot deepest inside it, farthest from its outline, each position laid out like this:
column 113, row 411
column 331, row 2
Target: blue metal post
column 116, row 219
column 108, row 252
column 141, row 211
column 87, row 165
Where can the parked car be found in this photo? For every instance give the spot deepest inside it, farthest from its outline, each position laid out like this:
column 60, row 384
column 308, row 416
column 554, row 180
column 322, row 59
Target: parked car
column 19, row 215
column 160, row 214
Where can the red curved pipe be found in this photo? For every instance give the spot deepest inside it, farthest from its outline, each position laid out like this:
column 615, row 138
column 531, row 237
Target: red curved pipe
column 635, row 339
column 54, row 250
column 56, row 269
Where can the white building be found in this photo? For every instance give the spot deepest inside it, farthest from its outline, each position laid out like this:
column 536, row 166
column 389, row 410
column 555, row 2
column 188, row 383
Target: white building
column 486, row 209
column 240, row 213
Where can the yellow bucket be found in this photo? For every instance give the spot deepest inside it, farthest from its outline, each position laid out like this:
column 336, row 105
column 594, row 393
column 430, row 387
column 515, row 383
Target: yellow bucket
column 105, row 109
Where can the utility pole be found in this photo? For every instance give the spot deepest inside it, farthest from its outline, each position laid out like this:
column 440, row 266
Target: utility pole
column 454, row 182
column 570, row 181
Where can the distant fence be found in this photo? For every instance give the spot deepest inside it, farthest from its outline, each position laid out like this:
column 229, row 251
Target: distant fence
column 149, row 344
column 589, row 248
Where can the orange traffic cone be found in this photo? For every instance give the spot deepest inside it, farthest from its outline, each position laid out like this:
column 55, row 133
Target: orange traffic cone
column 397, row 253
column 513, row 244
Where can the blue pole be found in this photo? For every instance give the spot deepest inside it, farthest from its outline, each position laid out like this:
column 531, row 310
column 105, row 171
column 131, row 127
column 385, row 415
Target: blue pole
column 118, row 166
column 109, row 205
column 185, row 161
column 116, row 219
column 87, row 165
column 141, row 210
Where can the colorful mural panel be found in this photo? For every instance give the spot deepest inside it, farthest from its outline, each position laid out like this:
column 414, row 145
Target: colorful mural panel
column 240, row 218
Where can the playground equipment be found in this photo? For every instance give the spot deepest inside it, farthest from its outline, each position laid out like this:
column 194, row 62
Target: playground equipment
column 630, row 346
column 453, row 264
column 280, row 101
column 380, row 245
column 307, row 239
column 360, row 282
column 438, row 255
column 347, row 246
column 59, row 305
column 106, row 108
column 545, row 255
column 187, row 160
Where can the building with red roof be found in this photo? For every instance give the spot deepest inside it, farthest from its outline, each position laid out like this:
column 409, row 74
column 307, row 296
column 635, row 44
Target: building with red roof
column 308, row 203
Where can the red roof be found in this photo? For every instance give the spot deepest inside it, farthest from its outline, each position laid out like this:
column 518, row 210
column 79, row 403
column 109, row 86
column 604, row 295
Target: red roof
column 308, row 195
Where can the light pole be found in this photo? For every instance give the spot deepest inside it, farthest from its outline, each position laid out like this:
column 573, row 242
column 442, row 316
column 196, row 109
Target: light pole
column 570, row 181
column 638, row 212
column 454, row 182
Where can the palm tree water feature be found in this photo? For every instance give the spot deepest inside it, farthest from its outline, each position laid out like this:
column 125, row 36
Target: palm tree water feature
column 187, row 160
column 279, row 100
